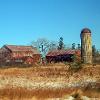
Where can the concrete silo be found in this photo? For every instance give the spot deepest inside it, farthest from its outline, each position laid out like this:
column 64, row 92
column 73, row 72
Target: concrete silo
column 86, row 46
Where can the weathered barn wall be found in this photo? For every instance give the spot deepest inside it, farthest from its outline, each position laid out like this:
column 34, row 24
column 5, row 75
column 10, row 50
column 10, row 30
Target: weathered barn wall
column 19, row 54
column 62, row 55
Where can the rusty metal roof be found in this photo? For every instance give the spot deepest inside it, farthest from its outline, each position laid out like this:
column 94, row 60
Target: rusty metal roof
column 22, row 48
column 62, row 52
column 86, row 30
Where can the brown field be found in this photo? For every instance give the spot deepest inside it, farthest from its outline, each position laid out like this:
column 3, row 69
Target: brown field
column 49, row 82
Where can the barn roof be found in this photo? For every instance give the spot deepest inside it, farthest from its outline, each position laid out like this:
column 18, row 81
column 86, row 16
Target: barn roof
column 22, row 48
column 62, row 52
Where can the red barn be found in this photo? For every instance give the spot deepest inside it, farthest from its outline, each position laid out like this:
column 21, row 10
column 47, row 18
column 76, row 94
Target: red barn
column 62, row 55
column 19, row 54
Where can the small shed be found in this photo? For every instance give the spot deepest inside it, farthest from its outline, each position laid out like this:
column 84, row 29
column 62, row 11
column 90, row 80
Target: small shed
column 62, row 55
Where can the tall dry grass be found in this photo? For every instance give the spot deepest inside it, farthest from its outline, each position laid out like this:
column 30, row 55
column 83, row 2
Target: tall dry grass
column 40, row 94
column 47, row 73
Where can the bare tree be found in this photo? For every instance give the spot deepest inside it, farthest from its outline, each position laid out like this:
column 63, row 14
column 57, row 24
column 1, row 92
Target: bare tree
column 53, row 45
column 42, row 45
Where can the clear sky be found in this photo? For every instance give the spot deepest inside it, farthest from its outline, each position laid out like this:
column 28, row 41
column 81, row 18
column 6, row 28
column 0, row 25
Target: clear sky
column 23, row 21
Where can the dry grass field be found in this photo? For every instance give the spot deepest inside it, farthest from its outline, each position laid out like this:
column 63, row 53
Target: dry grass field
column 50, row 82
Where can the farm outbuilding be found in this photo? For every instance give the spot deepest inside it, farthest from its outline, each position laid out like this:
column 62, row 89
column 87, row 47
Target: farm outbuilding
column 19, row 54
column 62, row 55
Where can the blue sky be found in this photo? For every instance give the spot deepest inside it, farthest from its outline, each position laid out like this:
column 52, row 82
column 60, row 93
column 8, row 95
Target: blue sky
column 23, row 21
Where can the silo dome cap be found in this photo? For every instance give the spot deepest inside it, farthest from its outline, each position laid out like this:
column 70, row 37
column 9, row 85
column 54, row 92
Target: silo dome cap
column 86, row 30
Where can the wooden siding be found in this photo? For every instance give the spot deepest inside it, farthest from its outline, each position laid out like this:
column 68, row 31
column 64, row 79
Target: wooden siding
column 15, row 56
column 62, row 55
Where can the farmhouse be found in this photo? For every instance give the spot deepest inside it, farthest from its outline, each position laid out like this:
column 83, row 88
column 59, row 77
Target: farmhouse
column 19, row 54
column 62, row 55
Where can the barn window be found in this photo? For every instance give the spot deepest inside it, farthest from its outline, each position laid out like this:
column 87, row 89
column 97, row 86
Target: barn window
column 18, row 60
